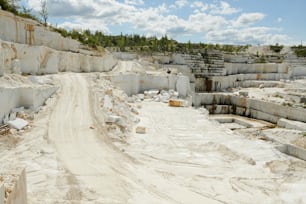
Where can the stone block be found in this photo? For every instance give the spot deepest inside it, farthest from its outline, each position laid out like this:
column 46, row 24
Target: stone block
column 141, row 130
column 176, row 103
column 151, row 93
column 18, row 123
column 290, row 124
column 112, row 119
column 108, row 104
column 183, row 85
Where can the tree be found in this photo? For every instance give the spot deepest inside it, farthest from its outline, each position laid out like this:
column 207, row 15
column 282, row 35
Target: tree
column 9, row 5
column 44, row 11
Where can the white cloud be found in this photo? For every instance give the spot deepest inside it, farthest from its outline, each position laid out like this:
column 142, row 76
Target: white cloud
column 211, row 21
column 199, row 6
column 134, row 2
column 247, row 19
column 223, row 9
column 180, row 3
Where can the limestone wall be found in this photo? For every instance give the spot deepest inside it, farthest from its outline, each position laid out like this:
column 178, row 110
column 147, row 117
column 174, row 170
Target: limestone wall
column 227, row 103
column 26, row 31
column 44, row 60
column 238, row 74
column 125, row 55
column 138, row 83
column 28, row 97
column 242, row 68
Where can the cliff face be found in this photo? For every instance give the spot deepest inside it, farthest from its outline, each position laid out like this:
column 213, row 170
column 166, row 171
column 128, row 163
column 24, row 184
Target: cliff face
column 28, row 59
column 30, row 48
column 25, row 31
column 26, row 47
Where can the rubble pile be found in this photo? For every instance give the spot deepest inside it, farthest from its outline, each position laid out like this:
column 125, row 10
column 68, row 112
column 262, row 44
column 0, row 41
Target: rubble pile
column 115, row 112
column 155, row 95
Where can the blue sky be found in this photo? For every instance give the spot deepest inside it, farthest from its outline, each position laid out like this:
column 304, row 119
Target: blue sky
column 207, row 21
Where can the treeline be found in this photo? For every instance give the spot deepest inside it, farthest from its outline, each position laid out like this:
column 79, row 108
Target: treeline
column 300, row 50
column 13, row 7
column 122, row 42
column 137, row 42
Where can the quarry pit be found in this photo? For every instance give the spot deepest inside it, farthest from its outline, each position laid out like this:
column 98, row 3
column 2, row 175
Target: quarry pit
column 84, row 127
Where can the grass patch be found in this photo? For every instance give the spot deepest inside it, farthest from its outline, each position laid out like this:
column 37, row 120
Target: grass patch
column 300, row 50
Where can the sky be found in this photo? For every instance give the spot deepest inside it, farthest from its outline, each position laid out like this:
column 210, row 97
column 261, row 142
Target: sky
column 255, row 22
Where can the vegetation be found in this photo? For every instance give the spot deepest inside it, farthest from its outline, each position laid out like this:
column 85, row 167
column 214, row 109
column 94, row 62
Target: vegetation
column 140, row 43
column 278, row 96
column 276, row 48
column 262, row 59
column 300, row 50
column 44, row 11
column 11, row 6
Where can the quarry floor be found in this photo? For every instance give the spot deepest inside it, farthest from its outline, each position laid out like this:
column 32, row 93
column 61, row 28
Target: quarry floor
column 183, row 158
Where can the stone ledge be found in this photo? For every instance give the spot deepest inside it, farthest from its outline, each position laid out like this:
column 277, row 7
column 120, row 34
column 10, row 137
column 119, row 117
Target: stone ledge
column 15, row 187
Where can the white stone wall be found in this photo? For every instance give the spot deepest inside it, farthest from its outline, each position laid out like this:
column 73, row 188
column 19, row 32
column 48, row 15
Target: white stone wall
column 299, row 71
column 44, row 60
column 253, row 108
column 178, row 59
column 239, row 68
column 125, row 55
column 138, row 83
column 28, row 97
column 17, row 29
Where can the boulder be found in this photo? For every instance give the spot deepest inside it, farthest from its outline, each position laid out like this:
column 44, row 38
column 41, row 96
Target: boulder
column 152, row 93
column 112, row 119
column 141, row 130
column 108, row 102
column 18, row 123
column 176, row 103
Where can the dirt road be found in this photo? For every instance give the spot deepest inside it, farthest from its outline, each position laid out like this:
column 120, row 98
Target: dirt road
column 79, row 144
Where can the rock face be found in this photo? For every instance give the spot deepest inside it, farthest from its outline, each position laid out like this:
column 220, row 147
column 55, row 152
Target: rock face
column 204, row 64
column 44, row 60
column 138, row 83
column 28, row 97
column 222, row 103
column 26, row 31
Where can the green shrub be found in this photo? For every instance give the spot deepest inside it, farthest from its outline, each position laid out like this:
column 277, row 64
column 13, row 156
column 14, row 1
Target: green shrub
column 300, row 50
column 276, row 48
